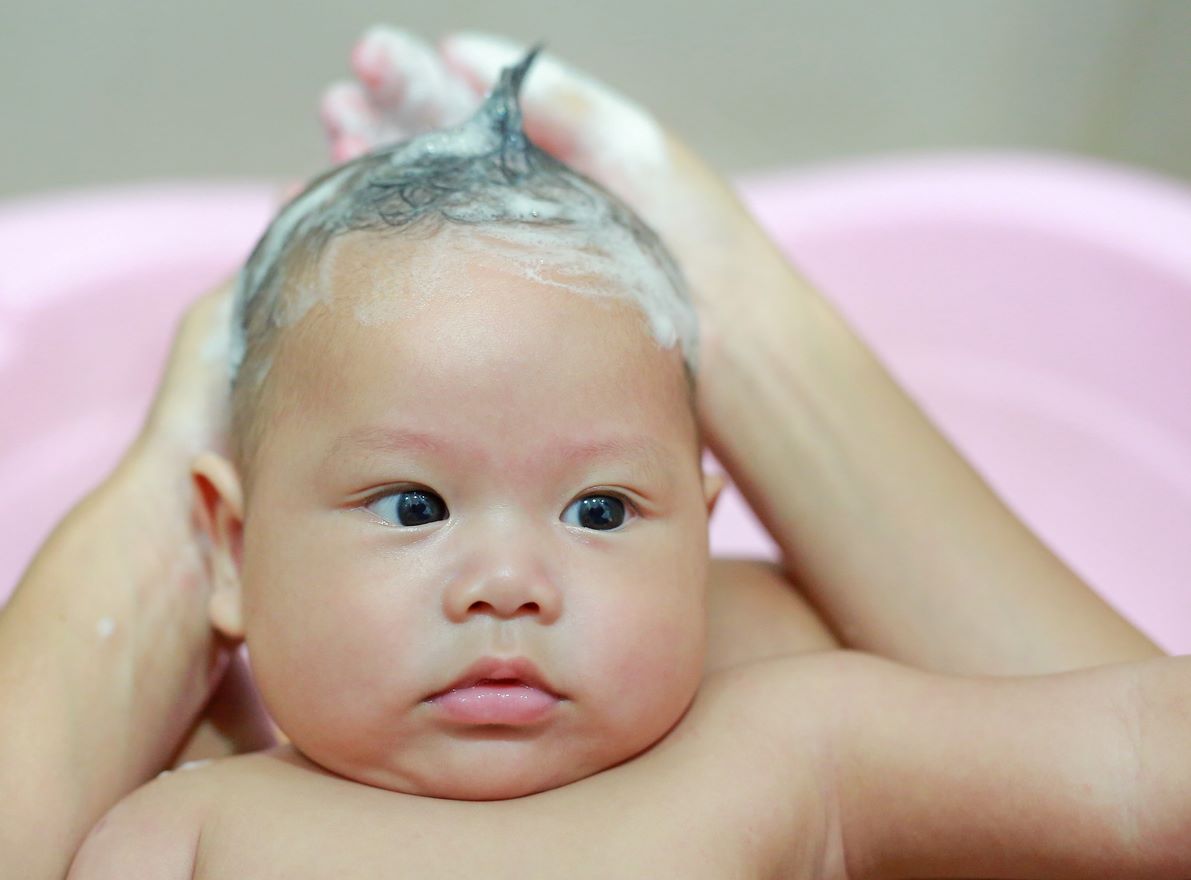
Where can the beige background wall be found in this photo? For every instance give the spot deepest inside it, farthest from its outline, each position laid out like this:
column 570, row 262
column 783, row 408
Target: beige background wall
column 118, row 90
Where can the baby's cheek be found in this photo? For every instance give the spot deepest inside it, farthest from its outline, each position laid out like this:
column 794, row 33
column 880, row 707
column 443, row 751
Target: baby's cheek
column 655, row 648
column 304, row 598
column 329, row 670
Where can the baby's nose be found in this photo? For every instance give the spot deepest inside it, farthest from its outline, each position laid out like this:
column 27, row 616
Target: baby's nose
column 512, row 588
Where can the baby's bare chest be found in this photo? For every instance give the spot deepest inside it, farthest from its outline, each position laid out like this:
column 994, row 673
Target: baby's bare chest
column 647, row 838
column 709, row 802
column 647, row 843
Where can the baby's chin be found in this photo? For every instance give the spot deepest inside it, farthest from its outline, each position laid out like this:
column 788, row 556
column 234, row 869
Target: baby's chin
column 482, row 768
column 495, row 783
column 472, row 778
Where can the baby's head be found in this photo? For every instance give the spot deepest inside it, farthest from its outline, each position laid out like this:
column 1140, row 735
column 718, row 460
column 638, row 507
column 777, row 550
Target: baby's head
column 463, row 429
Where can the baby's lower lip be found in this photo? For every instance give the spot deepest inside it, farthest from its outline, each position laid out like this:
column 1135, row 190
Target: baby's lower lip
column 496, row 703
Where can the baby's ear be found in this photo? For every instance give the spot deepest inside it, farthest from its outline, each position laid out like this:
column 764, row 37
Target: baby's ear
column 713, row 484
column 220, row 512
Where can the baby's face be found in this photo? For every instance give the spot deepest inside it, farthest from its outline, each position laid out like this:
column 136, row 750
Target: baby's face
column 418, row 504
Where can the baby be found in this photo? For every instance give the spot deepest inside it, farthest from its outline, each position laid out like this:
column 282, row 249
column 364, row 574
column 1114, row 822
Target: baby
column 464, row 535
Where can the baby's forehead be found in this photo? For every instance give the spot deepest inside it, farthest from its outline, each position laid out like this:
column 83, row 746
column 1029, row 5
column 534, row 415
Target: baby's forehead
column 468, row 292
column 366, row 279
column 460, row 309
column 454, row 258
column 482, row 352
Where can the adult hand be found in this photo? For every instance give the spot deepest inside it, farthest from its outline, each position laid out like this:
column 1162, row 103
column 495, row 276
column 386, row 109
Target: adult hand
column 880, row 535
column 106, row 654
column 404, row 87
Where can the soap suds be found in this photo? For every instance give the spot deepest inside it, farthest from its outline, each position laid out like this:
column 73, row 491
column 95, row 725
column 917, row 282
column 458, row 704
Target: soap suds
column 189, row 765
column 192, row 765
column 500, row 202
column 596, row 262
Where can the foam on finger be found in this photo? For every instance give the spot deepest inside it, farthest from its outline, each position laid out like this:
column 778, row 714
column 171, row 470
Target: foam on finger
column 408, row 82
column 345, row 111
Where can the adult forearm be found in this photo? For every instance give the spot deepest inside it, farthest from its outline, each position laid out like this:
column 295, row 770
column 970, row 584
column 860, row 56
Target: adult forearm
column 105, row 660
column 895, row 538
column 1159, row 737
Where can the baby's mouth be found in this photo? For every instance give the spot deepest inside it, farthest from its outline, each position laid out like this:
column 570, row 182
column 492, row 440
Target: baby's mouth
column 496, row 690
column 505, row 672
column 508, row 701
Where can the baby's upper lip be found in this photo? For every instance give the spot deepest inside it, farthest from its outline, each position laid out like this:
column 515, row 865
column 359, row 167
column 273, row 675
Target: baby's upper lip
column 519, row 668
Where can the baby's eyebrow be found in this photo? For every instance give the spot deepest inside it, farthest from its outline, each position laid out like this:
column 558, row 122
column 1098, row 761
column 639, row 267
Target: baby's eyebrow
column 385, row 439
column 639, row 448
column 376, row 438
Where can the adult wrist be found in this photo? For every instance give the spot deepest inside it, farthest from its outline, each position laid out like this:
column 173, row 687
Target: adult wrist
column 134, row 545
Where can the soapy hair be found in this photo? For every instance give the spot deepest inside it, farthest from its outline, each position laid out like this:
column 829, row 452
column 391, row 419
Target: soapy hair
column 483, row 173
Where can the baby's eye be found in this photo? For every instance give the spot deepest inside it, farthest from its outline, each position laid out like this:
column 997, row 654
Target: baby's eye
column 412, row 507
column 602, row 512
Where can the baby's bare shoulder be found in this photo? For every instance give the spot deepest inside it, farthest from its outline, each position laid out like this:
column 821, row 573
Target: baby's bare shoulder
column 153, row 832
column 796, row 692
column 179, row 824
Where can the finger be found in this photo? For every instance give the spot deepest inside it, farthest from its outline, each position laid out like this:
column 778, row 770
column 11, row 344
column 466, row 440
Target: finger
column 351, row 122
column 348, row 147
column 346, row 111
column 407, row 81
column 191, row 403
column 588, row 123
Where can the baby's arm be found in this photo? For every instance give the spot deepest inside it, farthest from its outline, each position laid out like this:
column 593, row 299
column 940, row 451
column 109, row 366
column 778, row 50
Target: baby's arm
column 1080, row 775
column 152, row 834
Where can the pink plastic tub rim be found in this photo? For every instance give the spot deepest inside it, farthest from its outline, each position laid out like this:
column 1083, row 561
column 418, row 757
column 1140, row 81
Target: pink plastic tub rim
column 1037, row 307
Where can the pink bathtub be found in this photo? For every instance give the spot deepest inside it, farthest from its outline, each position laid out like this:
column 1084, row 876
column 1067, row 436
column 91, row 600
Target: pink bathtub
column 1039, row 308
